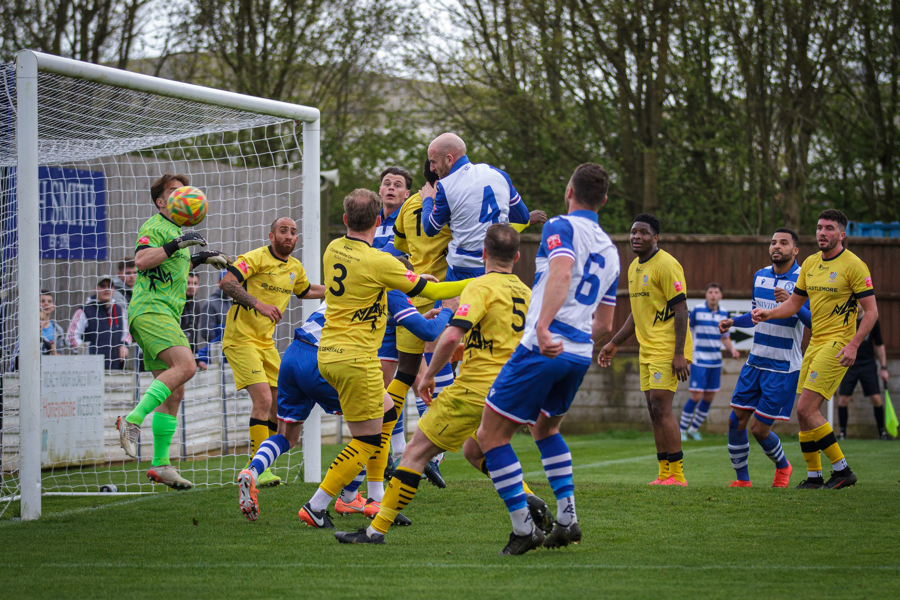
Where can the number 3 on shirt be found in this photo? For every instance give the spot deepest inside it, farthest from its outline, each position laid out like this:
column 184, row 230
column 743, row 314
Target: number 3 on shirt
column 339, row 280
column 590, row 281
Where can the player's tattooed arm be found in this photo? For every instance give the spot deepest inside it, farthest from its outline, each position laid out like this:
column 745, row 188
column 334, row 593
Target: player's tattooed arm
column 679, row 362
column 237, row 293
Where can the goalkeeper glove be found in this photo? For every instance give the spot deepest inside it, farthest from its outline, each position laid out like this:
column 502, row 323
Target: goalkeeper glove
column 188, row 239
column 211, row 257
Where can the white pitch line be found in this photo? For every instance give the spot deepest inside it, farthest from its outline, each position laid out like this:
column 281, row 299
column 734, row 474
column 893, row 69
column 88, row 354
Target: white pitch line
column 430, row 565
column 620, row 461
column 76, row 511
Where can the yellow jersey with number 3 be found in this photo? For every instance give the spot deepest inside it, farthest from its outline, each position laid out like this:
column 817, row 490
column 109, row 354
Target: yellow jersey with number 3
column 357, row 278
column 492, row 310
column 270, row 280
column 428, row 255
column 655, row 287
column 834, row 287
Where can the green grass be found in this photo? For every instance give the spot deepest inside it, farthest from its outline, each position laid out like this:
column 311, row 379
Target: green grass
column 705, row 541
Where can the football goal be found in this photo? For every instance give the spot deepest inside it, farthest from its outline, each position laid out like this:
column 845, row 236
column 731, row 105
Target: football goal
column 80, row 148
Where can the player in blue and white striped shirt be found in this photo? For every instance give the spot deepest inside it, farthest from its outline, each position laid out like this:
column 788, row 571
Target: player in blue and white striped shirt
column 706, row 371
column 767, row 385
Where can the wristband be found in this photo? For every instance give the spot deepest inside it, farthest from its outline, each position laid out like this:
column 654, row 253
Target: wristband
column 171, row 248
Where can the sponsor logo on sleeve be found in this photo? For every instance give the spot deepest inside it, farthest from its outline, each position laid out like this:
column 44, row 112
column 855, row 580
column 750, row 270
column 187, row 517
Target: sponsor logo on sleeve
column 412, row 276
column 143, row 241
column 243, row 267
column 868, row 282
column 463, row 310
column 678, row 286
column 553, row 242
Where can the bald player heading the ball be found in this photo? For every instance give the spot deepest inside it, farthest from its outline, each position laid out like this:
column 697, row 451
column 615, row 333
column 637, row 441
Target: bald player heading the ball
column 358, row 278
column 261, row 282
column 163, row 262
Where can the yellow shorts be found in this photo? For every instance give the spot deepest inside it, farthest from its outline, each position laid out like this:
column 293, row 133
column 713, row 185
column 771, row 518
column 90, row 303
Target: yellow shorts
column 360, row 387
column 658, row 376
column 452, row 418
column 821, row 372
column 406, row 341
column 253, row 365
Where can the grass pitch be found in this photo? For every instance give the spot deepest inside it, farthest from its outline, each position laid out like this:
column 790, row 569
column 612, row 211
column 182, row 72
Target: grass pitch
column 705, row 541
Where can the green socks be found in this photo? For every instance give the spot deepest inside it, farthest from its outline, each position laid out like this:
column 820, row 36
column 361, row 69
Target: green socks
column 163, row 431
column 156, row 394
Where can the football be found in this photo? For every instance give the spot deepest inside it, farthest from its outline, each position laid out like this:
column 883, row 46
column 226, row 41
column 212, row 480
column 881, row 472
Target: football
column 188, row 206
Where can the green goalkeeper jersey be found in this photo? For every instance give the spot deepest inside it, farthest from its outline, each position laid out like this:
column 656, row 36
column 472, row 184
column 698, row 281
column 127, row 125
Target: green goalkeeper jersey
column 163, row 288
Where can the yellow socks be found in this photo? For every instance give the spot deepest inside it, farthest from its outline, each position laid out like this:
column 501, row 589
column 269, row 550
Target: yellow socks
column 259, row 432
column 663, row 459
column 827, row 443
column 810, row 451
column 398, row 495
column 349, row 463
column 675, row 462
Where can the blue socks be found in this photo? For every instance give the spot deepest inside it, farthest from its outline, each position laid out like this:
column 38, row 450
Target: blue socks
column 700, row 415
column 443, row 378
column 738, row 448
column 268, row 452
column 687, row 414
column 772, row 447
column 557, row 461
column 506, row 473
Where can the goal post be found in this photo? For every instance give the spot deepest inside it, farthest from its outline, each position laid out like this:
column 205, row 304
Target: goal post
column 33, row 151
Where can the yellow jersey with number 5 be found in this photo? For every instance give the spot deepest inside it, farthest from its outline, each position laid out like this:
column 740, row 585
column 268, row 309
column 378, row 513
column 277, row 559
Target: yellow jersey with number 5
column 834, row 287
column 357, row 278
column 492, row 310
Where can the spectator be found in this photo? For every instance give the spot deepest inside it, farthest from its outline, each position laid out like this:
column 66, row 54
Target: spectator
column 124, row 280
column 212, row 322
column 190, row 316
column 53, row 337
column 102, row 323
column 866, row 372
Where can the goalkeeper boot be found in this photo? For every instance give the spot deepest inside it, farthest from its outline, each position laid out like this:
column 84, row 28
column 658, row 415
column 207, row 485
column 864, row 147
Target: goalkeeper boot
column 783, row 477
column 372, row 508
column 520, row 544
column 354, row 507
column 268, row 479
column 318, row 519
column 247, row 495
column 128, row 436
column 433, row 474
column 561, row 536
column 841, row 479
column 540, row 513
column 359, row 537
column 168, row 475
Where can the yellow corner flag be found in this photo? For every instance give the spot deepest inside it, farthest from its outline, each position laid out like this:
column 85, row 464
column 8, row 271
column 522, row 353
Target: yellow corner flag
column 890, row 417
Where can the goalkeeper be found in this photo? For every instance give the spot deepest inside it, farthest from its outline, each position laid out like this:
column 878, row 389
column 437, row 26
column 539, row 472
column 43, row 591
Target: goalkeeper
column 163, row 263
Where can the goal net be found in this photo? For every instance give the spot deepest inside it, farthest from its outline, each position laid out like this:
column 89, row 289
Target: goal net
column 100, row 148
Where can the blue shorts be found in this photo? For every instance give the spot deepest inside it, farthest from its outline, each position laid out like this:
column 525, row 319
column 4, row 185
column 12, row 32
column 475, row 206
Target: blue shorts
column 463, row 274
column 301, row 386
column 388, row 349
column 705, row 379
column 768, row 394
column 531, row 384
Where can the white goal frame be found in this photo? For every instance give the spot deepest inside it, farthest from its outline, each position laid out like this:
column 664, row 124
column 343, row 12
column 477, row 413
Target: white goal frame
column 28, row 64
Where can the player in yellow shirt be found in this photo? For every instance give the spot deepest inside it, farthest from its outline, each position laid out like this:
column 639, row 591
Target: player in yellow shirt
column 261, row 282
column 358, row 278
column 837, row 283
column 490, row 318
column 659, row 318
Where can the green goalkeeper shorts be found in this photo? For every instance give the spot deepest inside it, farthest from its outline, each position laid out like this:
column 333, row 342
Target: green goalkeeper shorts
column 154, row 333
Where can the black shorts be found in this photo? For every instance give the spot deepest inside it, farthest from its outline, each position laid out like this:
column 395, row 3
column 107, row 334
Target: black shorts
column 866, row 373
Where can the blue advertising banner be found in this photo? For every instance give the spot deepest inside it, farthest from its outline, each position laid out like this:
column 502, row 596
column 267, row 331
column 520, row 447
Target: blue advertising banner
column 73, row 214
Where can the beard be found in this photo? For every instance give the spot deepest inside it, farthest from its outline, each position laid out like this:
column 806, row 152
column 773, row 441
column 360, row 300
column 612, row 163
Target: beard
column 284, row 248
column 829, row 245
column 780, row 261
